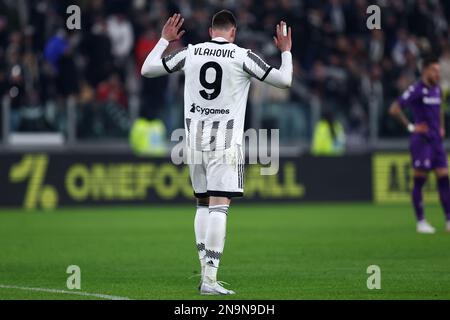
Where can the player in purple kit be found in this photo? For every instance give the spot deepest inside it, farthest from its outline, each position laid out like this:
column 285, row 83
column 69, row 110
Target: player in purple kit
column 426, row 143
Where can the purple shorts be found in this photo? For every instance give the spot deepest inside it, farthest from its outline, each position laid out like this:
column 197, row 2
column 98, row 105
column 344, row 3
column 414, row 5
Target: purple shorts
column 427, row 154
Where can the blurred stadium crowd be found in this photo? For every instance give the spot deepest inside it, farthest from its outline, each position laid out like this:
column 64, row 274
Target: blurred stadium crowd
column 341, row 67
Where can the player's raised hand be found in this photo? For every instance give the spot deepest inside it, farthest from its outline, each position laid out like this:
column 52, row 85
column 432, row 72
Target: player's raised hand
column 171, row 30
column 283, row 38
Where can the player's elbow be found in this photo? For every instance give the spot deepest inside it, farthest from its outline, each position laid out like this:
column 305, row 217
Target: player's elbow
column 145, row 72
column 393, row 110
column 148, row 70
column 286, row 83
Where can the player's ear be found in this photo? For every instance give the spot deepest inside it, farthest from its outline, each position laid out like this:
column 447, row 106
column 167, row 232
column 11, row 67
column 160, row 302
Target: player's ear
column 210, row 32
column 233, row 34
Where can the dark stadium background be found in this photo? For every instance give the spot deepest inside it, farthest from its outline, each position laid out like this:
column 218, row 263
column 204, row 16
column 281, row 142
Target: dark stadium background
column 69, row 99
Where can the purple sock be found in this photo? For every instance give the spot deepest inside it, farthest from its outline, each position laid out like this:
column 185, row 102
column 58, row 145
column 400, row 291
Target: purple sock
column 417, row 197
column 444, row 195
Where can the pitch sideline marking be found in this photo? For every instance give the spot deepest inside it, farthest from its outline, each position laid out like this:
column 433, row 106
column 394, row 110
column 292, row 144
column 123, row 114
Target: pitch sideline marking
column 79, row 293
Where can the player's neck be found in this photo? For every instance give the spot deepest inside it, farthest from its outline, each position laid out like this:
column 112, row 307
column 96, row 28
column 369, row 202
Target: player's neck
column 426, row 82
column 219, row 38
column 222, row 36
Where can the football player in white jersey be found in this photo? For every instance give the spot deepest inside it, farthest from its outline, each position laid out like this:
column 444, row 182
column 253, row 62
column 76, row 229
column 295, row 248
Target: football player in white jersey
column 217, row 82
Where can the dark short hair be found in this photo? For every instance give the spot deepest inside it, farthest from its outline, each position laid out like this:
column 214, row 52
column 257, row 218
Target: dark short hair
column 223, row 20
column 429, row 60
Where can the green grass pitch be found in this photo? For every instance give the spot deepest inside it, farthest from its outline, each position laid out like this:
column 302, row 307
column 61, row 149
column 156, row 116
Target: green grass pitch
column 272, row 252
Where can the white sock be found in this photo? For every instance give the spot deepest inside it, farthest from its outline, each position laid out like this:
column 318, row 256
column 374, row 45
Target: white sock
column 203, row 266
column 215, row 240
column 200, row 226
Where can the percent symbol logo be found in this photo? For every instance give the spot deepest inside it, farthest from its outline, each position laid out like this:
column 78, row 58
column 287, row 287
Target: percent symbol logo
column 33, row 168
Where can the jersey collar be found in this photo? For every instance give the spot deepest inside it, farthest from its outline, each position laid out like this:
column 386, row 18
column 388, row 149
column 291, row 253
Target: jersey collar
column 219, row 40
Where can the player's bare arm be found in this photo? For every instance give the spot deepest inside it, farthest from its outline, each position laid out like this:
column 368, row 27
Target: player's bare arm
column 396, row 111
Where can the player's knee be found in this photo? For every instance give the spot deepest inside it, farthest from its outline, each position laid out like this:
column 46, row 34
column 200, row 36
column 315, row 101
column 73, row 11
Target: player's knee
column 219, row 201
column 442, row 172
column 420, row 173
column 203, row 202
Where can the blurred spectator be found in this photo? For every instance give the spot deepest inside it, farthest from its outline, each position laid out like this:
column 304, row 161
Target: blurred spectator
column 335, row 16
column 403, row 47
column 112, row 91
column 121, row 34
column 55, row 48
column 329, row 137
column 376, row 46
column 15, row 86
column 144, row 45
column 153, row 95
column 445, row 68
column 97, row 49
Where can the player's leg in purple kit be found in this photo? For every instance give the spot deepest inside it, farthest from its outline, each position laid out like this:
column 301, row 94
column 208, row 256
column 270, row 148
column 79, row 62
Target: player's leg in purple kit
column 421, row 154
column 420, row 177
column 443, row 182
column 421, row 162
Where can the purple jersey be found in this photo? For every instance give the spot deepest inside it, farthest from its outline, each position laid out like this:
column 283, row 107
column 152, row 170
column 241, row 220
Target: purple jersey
column 427, row 150
column 425, row 104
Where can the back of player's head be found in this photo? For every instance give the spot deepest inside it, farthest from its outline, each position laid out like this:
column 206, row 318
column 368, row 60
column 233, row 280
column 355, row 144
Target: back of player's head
column 223, row 20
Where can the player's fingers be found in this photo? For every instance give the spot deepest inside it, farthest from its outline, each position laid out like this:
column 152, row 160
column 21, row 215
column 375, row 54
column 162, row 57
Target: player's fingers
column 180, row 23
column 283, row 29
column 173, row 19
column 290, row 33
column 177, row 19
column 182, row 32
column 278, row 31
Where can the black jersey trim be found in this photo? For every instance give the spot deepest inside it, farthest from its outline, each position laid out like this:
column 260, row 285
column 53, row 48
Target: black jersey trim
column 266, row 74
column 165, row 66
column 225, row 194
column 219, row 42
column 201, row 195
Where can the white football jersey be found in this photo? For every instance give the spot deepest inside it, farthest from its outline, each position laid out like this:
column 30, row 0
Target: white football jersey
column 217, row 82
